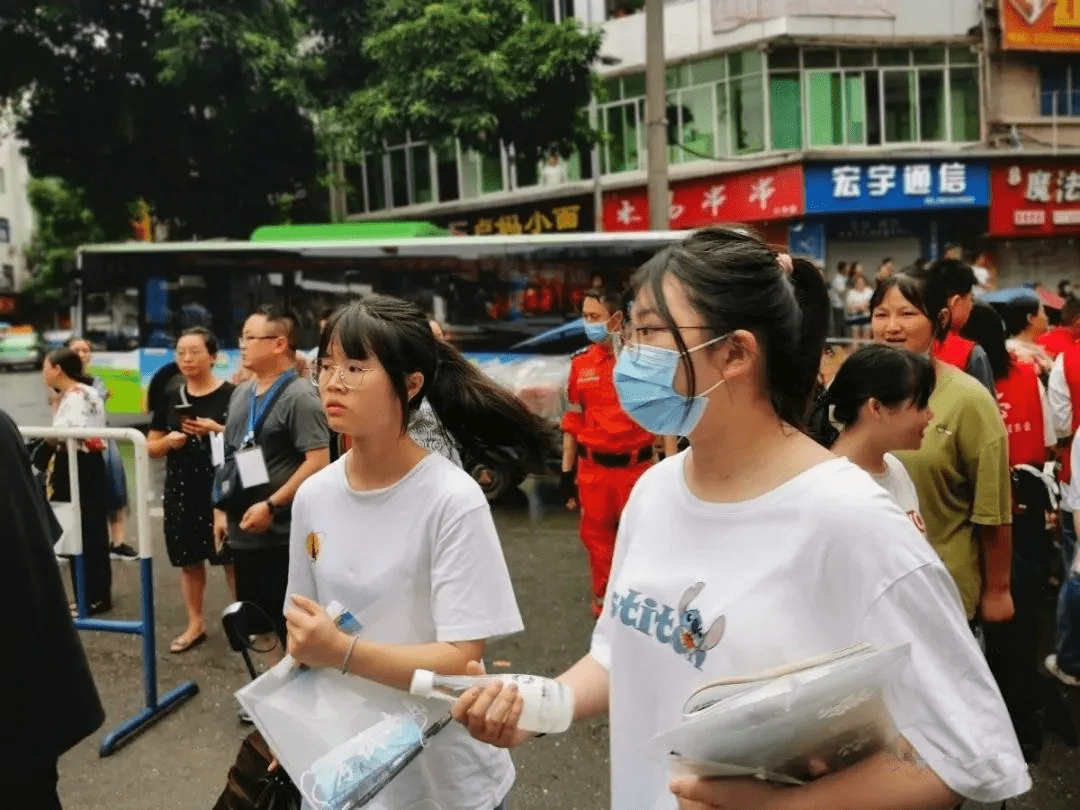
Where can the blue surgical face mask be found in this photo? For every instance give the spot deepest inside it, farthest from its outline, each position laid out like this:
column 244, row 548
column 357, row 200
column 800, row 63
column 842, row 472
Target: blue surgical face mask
column 596, row 332
column 645, row 381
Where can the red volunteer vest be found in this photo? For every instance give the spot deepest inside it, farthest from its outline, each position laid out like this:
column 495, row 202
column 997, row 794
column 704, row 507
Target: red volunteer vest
column 1021, row 408
column 1056, row 340
column 954, row 350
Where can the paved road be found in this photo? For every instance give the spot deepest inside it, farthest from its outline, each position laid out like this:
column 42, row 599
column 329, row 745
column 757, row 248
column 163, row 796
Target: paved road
column 180, row 763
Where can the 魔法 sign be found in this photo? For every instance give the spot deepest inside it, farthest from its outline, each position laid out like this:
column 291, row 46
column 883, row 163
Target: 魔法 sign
column 1035, row 199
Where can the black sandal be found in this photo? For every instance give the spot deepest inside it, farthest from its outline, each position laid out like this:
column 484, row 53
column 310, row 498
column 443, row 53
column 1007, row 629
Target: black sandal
column 104, row 606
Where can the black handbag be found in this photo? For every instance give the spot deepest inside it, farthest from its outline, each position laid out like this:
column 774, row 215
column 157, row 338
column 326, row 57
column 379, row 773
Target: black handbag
column 251, row 787
column 228, row 489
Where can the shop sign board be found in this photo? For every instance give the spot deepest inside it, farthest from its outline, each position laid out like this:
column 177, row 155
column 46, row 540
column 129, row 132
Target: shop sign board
column 1035, row 199
column 760, row 195
column 847, row 187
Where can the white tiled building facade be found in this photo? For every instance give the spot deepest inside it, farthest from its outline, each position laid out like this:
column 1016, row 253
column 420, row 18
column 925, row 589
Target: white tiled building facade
column 16, row 216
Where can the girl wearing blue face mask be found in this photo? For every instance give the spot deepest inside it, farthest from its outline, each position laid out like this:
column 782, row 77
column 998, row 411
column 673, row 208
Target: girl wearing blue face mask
column 758, row 548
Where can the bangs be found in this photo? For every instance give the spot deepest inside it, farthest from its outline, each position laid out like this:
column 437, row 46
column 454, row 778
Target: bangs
column 650, row 276
column 354, row 329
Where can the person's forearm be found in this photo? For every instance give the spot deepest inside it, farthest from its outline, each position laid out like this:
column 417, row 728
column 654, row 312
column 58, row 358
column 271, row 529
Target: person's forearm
column 393, row 665
column 590, row 683
column 157, row 445
column 287, row 491
column 996, row 555
column 569, row 451
column 884, row 781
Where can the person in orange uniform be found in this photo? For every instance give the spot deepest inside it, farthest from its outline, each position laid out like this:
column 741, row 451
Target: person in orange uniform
column 608, row 450
column 955, row 350
column 1066, row 333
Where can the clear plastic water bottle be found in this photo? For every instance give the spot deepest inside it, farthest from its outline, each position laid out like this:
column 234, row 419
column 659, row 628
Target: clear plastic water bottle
column 548, row 704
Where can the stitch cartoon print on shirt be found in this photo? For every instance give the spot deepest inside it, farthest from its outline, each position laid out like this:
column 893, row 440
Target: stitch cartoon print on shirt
column 682, row 628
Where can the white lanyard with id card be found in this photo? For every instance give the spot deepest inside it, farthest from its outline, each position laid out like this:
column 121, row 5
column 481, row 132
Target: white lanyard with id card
column 250, row 462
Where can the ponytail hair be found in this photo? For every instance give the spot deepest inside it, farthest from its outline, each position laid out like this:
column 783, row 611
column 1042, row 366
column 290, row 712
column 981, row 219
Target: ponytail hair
column 891, row 376
column 734, row 281
column 488, row 421
column 71, row 364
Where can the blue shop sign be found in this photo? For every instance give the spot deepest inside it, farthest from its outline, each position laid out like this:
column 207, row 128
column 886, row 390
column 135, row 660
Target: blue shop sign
column 837, row 188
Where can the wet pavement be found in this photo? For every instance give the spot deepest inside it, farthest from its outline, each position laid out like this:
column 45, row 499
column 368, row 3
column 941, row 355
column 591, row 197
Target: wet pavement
column 180, row 763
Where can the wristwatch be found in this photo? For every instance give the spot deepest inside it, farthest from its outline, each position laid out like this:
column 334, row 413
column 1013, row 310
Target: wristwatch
column 271, row 506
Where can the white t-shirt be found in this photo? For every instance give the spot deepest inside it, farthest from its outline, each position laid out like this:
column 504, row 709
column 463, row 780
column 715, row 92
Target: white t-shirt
column 896, row 481
column 1070, row 492
column 415, row 563
column 857, row 299
column 822, row 562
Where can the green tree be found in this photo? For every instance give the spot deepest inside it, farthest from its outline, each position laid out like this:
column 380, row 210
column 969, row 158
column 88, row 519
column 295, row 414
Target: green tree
column 484, row 71
column 213, row 155
column 63, row 222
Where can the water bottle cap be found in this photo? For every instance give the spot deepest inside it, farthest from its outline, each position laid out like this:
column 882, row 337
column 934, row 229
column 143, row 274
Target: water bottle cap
column 423, row 683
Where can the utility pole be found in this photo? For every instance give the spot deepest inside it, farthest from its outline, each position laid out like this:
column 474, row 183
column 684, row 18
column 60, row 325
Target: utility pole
column 656, row 116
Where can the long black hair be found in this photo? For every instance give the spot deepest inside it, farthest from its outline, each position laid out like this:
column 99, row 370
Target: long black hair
column 733, row 280
column 891, row 376
column 71, row 364
column 986, row 328
column 487, row 420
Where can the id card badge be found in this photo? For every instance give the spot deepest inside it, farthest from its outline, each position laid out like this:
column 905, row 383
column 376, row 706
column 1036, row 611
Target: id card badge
column 252, row 467
column 217, row 449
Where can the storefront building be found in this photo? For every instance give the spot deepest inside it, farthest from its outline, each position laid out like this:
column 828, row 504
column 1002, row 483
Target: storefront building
column 903, row 210
column 764, row 200
column 1034, row 223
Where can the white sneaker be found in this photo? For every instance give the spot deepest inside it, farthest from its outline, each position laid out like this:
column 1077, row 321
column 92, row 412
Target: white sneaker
column 1055, row 670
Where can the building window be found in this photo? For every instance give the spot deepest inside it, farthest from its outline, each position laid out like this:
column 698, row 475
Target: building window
column 785, row 105
column 622, row 124
column 623, row 8
column 1059, row 87
column 5, row 231
column 892, row 95
column 480, row 174
column 746, row 94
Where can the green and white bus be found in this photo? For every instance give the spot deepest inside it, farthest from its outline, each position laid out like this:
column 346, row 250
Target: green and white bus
column 490, row 293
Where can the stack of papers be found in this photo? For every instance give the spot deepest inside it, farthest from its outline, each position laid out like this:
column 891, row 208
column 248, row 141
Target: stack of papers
column 789, row 724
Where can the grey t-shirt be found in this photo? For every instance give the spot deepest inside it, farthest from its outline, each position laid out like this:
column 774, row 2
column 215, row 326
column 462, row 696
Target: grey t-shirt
column 295, row 424
column 978, row 366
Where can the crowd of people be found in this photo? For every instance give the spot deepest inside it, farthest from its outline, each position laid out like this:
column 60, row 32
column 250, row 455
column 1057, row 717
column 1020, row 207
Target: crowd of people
column 915, row 513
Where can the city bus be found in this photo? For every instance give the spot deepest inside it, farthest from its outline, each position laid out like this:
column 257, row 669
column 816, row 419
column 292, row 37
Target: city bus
column 496, row 297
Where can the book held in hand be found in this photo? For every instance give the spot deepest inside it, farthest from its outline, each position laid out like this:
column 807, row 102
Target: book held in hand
column 789, row 724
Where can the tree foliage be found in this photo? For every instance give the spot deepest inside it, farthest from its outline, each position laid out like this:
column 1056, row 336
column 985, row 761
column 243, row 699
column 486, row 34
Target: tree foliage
column 484, row 71
column 63, row 222
column 211, row 153
column 217, row 112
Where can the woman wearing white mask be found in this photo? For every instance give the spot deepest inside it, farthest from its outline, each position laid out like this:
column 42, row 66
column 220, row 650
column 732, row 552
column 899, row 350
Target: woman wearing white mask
column 774, row 551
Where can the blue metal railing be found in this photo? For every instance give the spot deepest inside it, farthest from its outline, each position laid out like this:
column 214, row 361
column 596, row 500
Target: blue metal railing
column 155, row 706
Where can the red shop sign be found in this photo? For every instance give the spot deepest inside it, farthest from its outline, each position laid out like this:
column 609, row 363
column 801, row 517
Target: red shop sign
column 1035, row 199
column 755, row 196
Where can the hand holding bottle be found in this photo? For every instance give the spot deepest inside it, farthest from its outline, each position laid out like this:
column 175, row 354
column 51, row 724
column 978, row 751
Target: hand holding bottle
column 491, row 711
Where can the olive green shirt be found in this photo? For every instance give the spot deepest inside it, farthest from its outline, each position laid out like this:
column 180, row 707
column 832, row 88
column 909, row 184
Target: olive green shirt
column 962, row 476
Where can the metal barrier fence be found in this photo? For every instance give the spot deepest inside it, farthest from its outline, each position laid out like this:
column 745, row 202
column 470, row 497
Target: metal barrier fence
column 155, row 706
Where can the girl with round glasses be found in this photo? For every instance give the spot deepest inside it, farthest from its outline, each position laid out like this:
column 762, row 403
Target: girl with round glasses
column 757, row 548
column 404, row 538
